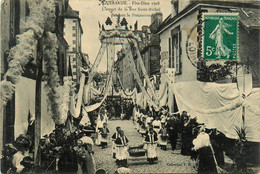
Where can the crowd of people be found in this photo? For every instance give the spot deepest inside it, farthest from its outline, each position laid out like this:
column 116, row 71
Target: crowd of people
column 71, row 150
column 203, row 145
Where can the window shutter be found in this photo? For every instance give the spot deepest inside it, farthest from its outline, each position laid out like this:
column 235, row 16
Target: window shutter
column 170, row 56
column 180, row 52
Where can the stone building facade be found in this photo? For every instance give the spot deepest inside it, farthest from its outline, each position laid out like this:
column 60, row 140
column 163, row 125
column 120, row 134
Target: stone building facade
column 13, row 12
column 73, row 32
column 177, row 28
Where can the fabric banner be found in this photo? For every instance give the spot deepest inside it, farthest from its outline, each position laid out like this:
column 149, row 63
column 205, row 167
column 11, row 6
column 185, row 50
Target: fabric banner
column 171, row 98
column 25, row 102
column 76, row 111
column 161, row 93
column 97, row 92
column 96, row 63
column 125, row 94
column 219, row 106
column 92, row 73
column 146, row 77
column 107, row 89
column 110, row 56
column 244, row 84
column 130, row 59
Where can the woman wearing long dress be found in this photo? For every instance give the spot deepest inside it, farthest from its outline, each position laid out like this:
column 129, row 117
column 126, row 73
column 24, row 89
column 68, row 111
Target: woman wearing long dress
column 203, row 146
column 151, row 145
column 100, row 121
column 186, row 136
column 217, row 35
column 86, row 164
column 122, row 150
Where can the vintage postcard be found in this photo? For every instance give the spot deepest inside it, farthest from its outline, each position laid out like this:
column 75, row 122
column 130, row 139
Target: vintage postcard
column 130, row 86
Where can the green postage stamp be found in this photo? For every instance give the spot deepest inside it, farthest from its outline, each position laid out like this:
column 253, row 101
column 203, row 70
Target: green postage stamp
column 220, row 36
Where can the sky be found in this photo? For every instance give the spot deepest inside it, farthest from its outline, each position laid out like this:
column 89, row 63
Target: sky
column 92, row 11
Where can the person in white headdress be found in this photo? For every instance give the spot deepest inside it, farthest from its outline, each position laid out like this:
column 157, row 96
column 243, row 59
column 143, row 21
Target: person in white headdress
column 122, row 150
column 143, row 128
column 203, row 146
column 86, row 164
column 99, row 126
column 105, row 117
column 151, row 145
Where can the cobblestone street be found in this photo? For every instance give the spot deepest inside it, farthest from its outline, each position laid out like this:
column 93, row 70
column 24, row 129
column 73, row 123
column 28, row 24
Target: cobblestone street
column 168, row 161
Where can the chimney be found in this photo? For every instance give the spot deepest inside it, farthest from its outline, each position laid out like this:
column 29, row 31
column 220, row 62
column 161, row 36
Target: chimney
column 157, row 17
column 174, row 7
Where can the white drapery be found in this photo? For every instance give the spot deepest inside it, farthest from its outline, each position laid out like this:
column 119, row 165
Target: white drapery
column 219, row 106
column 25, row 102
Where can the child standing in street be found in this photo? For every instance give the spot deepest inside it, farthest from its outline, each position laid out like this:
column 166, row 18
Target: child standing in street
column 104, row 135
column 122, row 150
column 151, row 145
column 114, row 137
column 163, row 137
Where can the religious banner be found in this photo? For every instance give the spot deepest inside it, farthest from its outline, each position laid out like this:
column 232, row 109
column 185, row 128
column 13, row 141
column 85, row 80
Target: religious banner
column 220, row 36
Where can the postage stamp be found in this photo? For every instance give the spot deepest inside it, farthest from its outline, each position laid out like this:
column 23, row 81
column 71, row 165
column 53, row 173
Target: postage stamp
column 220, row 36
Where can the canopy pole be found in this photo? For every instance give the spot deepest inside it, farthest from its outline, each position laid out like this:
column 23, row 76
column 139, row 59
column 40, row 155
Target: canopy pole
column 38, row 92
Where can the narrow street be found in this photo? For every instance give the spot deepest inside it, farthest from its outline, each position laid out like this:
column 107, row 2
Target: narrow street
column 169, row 162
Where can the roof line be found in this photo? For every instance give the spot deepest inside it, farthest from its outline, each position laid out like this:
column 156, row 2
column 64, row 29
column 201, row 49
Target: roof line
column 186, row 11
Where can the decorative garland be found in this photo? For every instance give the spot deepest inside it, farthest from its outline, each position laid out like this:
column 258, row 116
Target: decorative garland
column 58, row 96
column 121, row 34
column 40, row 19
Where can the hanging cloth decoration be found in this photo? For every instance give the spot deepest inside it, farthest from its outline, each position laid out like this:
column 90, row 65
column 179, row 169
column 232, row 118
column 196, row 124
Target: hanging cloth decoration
column 110, row 55
column 106, row 91
column 97, row 92
column 75, row 111
column 163, row 91
column 130, row 59
column 97, row 105
column 129, row 94
column 96, row 63
column 146, row 77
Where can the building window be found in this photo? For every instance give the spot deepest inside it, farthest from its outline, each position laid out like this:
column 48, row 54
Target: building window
column 170, row 53
column 74, row 35
column 74, row 21
column 176, row 50
column 74, row 49
column 27, row 9
column 73, row 27
column 74, row 41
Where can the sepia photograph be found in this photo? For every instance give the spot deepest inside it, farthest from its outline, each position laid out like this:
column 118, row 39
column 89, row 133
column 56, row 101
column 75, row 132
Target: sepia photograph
column 130, row 86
